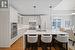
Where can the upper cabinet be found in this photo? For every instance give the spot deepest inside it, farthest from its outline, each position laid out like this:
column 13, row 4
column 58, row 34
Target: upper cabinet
column 13, row 15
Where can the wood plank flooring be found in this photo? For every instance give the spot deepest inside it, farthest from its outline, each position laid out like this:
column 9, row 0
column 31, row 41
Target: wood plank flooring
column 39, row 48
column 18, row 45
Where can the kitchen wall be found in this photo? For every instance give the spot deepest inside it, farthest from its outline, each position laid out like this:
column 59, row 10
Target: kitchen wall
column 4, row 28
column 64, row 15
column 73, row 21
column 63, row 19
column 66, row 5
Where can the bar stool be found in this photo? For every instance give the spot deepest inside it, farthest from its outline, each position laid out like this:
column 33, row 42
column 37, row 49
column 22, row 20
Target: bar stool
column 62, row 39
column 46, row 41
column 32, row 42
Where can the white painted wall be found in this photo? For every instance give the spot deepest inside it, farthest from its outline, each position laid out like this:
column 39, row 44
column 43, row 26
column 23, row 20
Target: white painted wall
column 66, row 5
column 73, row 21
column 4, row 28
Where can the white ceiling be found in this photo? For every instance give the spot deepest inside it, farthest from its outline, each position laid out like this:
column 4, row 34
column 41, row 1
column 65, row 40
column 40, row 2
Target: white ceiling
column 63, row 5
column 66, row 5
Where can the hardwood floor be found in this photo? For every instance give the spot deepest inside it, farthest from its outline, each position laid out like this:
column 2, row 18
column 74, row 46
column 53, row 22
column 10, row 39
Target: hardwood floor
column 41, row 48
column 18, row 45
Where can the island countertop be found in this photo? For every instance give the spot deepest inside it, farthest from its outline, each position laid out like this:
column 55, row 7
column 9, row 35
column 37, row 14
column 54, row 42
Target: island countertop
column 43, row 32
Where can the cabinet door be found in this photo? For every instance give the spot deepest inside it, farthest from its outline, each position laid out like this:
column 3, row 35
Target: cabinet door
column 13, row 15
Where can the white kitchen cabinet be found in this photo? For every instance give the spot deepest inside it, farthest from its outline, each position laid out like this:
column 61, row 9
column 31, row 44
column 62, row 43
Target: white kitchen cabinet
column 13, row 15
column 15, row 33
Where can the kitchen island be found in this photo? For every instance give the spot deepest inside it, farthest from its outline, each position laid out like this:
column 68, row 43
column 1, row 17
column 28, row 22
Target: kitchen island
column 44, row 32
column 39, row 33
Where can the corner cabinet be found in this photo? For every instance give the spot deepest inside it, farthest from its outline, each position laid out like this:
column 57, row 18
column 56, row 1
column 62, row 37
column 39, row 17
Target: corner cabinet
column 8, row 20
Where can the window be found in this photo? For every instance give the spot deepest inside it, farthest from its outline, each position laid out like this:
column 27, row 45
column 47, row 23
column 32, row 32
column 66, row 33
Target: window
column 67, row 23
column 56, row 24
